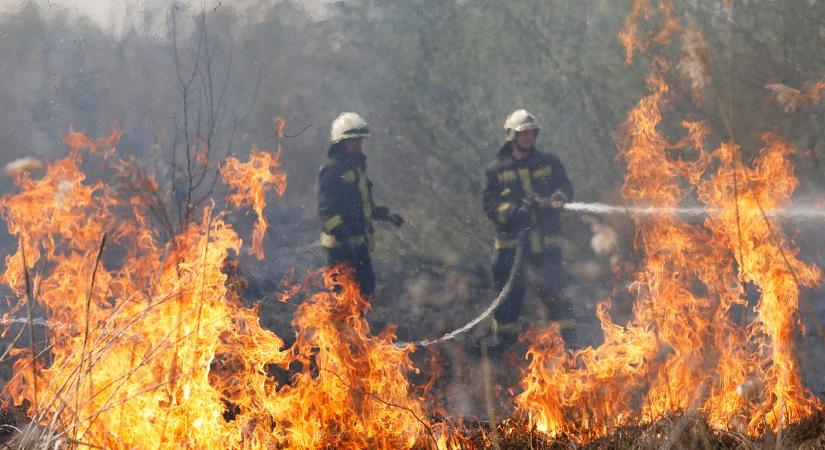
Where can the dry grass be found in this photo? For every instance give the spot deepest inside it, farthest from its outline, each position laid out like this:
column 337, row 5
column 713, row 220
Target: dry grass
column 695, row 63
column 792, row 99
column 677, row 432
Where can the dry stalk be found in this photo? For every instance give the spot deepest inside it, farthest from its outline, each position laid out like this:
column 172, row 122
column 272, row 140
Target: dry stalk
column 60, row 405
column 135, row 395
column 690, row 415
column 695, row 64
column 488, row 395
column 29, row 310
column 88, row 313
column 60, row 391
column 13, row 342
column 123, row 379
column 778, row 243
column 203, row 271
column 385, row 402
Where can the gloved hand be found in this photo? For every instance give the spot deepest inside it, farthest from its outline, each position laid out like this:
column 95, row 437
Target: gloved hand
column 381, row 213
column 396, row 220
column 529, row 202
column 523, row 213
column 558, row 199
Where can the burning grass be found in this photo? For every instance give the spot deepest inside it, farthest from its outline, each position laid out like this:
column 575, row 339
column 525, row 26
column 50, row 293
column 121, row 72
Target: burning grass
column 154, row 349
column 150, row 347
column 683, row 350
column 674, row 432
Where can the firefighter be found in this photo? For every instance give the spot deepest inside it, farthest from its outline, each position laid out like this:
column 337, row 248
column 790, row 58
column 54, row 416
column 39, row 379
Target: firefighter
column 345, row 205
column 524, row 192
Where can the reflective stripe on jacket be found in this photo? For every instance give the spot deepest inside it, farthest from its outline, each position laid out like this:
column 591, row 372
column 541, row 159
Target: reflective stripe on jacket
column 508, row 181
column 345, row 205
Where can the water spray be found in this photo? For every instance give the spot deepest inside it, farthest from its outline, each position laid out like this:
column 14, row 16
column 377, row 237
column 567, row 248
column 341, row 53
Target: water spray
column 595, row 208
column 796, row 212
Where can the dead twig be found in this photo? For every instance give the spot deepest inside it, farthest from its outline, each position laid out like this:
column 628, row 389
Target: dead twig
column 29, row 313
column 488, row 396
column 298, row 133
column 88, row 313
column 385, row 402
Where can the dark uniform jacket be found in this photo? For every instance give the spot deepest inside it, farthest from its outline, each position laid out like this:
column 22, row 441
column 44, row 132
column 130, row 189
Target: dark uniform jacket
column 345, row 204
column 508, row 182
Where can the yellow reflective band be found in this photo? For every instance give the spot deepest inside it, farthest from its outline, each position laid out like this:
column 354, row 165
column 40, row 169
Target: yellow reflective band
column 348, row 176
column 333, row 222
column 363, row 188
column 535, row 242
column 566, row 324
column 543, row 172
column 527, row 185
column 506, row 192
column 507, row 175
column 505, row 243
column 553, row 241
column 526, row 182
column 328, row 241
column 502, row 212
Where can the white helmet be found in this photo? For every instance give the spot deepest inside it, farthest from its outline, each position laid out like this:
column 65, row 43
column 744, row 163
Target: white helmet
column 519, row 120
column 348, row 126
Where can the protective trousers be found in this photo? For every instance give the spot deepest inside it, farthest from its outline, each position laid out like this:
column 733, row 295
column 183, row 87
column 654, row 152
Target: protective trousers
column 539, row 279
column 356, row 257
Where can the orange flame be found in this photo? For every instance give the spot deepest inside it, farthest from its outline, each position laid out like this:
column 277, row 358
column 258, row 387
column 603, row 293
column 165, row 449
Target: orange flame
column 77, row 141
column 767, row 259
column 683, row 351
column 629, row 34
column 252, row 180
column 151, row 349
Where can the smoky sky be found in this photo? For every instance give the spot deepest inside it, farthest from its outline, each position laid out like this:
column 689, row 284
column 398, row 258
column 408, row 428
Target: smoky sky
column 117, row 15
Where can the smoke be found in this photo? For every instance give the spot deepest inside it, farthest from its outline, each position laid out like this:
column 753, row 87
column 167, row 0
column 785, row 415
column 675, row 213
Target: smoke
column 435, row 84
column 118, row 18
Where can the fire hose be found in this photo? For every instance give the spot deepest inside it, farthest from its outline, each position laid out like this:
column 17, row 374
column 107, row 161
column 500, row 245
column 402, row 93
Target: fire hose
column 594, row 208
column 601, row 209
column 589, row 208
column 505, row 291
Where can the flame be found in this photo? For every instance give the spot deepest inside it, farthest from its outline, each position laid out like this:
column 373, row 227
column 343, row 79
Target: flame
column 768, row 260
column 252, row 180
column 77, row 141
column 150, row 348
column 629, row 34
column 684, row 350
